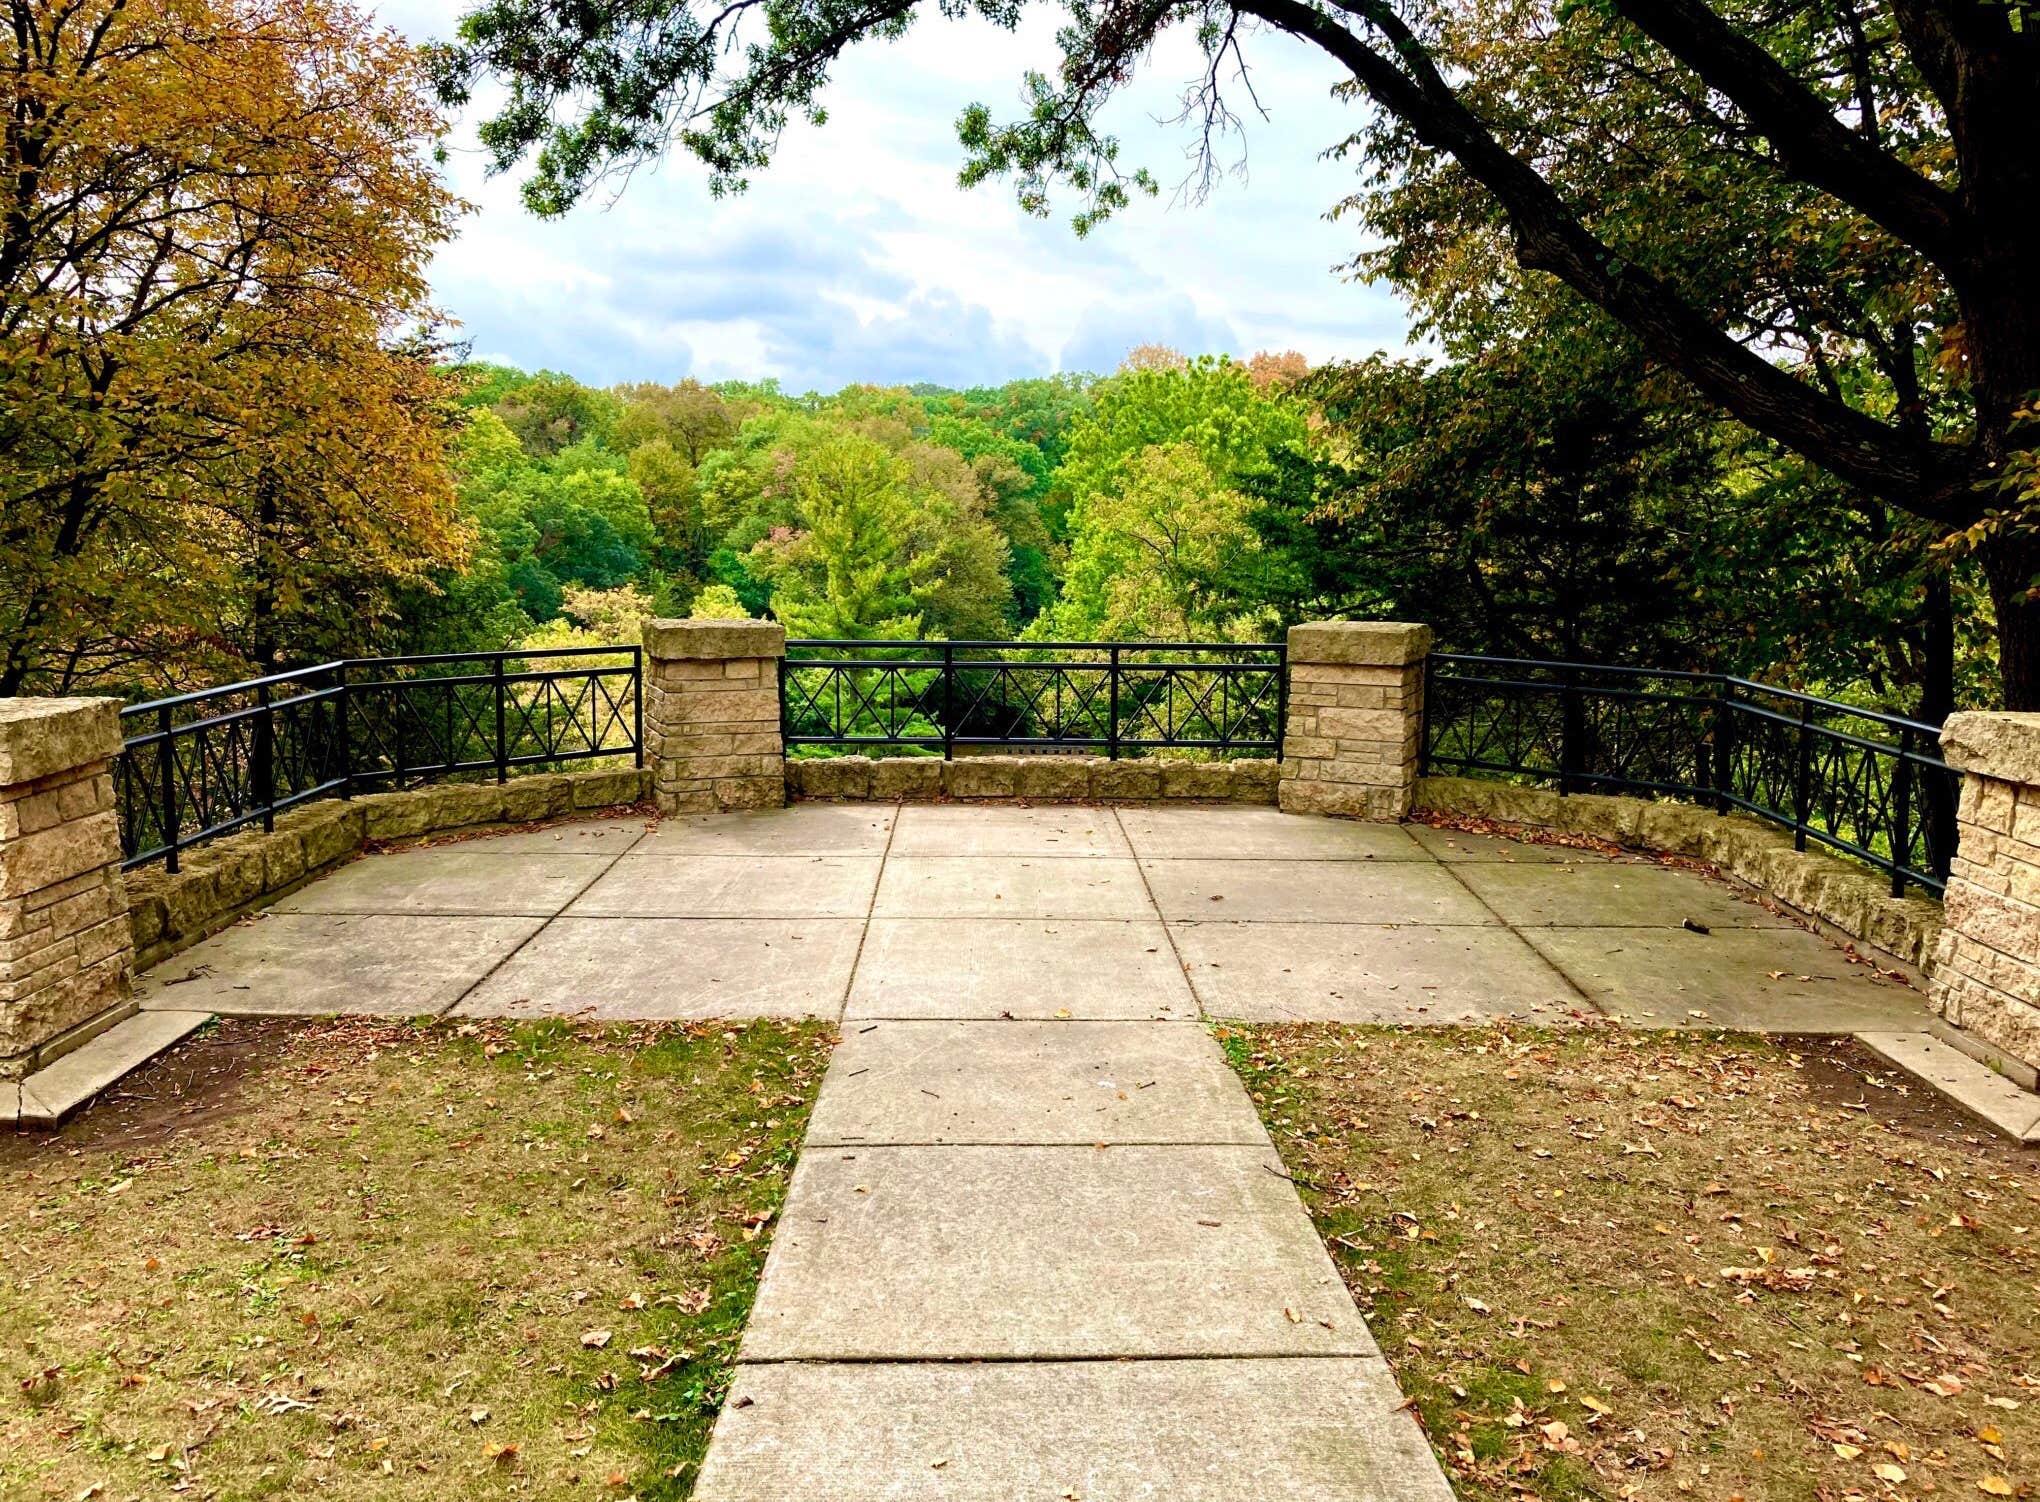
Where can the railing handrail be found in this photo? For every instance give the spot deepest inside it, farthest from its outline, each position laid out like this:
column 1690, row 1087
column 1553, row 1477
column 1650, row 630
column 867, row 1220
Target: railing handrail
column 1689, row 675
column 332, row 740
column 1734, row 742
column 177, row 701
column 794, row 643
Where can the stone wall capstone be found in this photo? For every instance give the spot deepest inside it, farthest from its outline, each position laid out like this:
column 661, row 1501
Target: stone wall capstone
column 1987, row 966
column 65, row 957
column 1034, row 779
column 1356, row 710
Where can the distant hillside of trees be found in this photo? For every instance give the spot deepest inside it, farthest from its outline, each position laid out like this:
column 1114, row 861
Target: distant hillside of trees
column 1554, row 497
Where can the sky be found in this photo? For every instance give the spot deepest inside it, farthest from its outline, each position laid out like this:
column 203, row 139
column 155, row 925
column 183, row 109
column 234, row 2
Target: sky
column 857, row 257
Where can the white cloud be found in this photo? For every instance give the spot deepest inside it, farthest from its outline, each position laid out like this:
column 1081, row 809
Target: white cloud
column 856, row 256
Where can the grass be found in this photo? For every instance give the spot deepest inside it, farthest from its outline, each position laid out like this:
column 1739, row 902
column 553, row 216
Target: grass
column 1609, row 1264
column 396, row 1261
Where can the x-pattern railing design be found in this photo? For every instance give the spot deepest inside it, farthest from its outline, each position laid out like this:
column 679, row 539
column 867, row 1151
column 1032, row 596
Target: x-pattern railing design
column 1115, row 697
column 1867, row 784
column 203, row 764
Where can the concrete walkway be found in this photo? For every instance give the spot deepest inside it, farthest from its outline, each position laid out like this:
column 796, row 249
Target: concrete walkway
column 1037, row 1243
column 1052, row 1259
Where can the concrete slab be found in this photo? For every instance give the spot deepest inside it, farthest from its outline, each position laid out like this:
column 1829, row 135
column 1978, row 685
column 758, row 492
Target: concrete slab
column 1311, row 892
column 604, row 968
column 1334, row 972
column 52, row 1093
column 804, row 829
column 1981, row 1091
column 456, row 880
column 1030, row 967
column 576, row 837
column 1003, row 829
column 1030, row 1082
column 1261, row 834
column 982, row 886
column 1599, row 893
column 1778, row 980
column 729, row 886
column 319, row 964
column 1305, row 1430
column 954, row 1253
column 1457, row 845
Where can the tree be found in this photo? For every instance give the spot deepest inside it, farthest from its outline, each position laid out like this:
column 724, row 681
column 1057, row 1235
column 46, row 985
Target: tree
column 217, row 424
column 846, row 575
column 1211, row 404
column 688, row 415
column 1169, row 554
column 1159, row 538
column 1793, row 95
column 549, row 412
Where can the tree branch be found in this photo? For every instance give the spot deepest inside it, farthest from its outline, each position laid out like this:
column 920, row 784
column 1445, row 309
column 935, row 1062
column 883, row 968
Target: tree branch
column 1928, row 479
column 1814, row 145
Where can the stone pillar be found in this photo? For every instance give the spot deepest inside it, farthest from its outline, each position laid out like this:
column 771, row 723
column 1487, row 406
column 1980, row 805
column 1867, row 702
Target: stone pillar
column 1356, row 707
column 66, row 958
column 1986, row 975
column 712, row 736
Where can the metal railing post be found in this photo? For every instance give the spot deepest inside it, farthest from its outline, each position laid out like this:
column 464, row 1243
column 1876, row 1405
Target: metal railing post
column 265, row 759
column 166, row 779
column 1428, row 679
column 637, row 702
column 1568, row 715
column 502, row 731
column 1802, row 784
column 1282, row 695
column 1901, row 813
column 1724, row 748
column 949, row 701
column 1112, row 702
column 346, row 734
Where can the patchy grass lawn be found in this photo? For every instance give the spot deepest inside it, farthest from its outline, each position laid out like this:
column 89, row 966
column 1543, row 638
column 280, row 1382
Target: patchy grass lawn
column 1642, row 1265
column 395, row 1260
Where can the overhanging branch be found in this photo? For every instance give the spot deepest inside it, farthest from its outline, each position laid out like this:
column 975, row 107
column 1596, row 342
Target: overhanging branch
column 1928, row 479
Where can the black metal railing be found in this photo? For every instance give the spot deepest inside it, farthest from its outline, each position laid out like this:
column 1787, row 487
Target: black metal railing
column 204, row 764
column 1115, row 697
column 1867, row 784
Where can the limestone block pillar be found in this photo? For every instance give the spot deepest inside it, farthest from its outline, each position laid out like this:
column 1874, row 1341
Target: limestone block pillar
column 1986, row 976
column 1356, row 708
column 66, row 957
column 712, row 736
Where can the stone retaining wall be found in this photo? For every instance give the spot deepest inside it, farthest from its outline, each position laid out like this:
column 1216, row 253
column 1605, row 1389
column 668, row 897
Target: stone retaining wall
column 239, row 873
column 1851, row 899
column 1040, row 779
